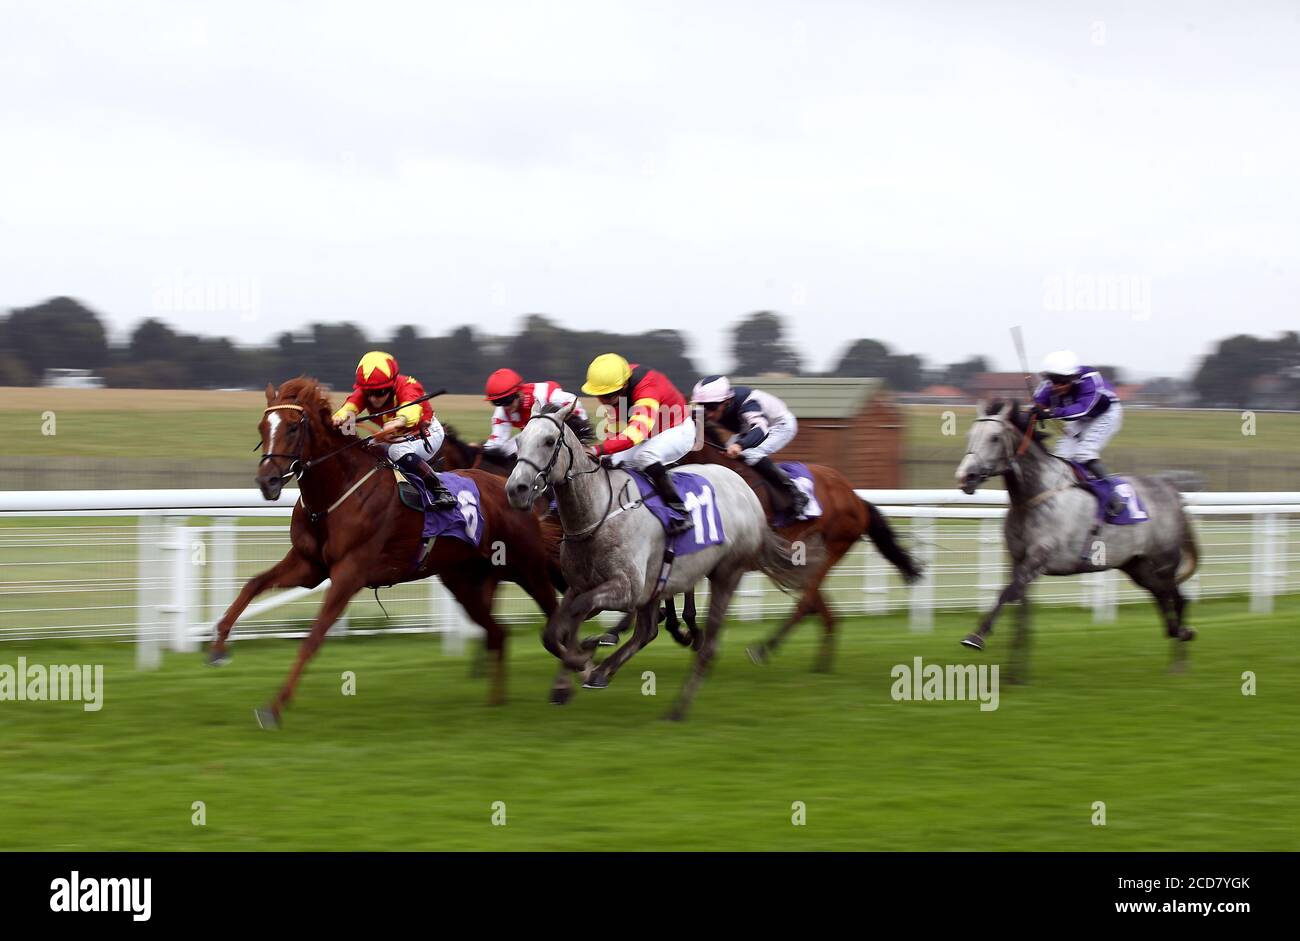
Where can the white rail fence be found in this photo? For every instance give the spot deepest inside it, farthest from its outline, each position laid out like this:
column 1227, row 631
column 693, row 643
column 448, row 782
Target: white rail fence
column 159, row 567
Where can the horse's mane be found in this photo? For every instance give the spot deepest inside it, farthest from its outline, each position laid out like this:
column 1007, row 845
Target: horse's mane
column 1017, row 417
column 309, row 393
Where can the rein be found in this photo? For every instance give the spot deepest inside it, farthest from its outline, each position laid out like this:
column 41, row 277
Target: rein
column 1013, row 455
column 297, row 467
column 543, row 476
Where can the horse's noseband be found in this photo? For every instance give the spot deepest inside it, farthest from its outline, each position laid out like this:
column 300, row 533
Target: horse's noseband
column 544, row 473
column 296, row 466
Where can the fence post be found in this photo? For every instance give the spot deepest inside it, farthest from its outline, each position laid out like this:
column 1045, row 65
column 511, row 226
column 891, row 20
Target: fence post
column 223, row 545
column 875, row 584
column 148, row 650
column 176, row 548
column 1262, row 563
column 991, row 556
column 921, row 601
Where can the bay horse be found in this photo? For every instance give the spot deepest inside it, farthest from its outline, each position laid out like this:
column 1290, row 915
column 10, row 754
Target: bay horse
column 1052, row 526
column 613, row 557
column 845, row 519
column 349, row 526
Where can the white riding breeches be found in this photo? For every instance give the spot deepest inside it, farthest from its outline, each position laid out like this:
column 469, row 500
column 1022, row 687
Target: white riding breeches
column 663, row 448
column 505, row 449
column 417, row 445
column 1084, row 439
column 778, row 436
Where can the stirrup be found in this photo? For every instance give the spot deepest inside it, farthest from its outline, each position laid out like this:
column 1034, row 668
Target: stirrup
column 439, row 496
column 678, row 526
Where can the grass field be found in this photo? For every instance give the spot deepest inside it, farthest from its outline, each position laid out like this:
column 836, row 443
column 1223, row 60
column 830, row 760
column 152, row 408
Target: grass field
column 415, row 760
column 153, row 423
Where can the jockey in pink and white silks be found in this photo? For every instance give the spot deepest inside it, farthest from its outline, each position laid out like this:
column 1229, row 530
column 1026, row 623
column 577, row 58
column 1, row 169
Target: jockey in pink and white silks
column 1082, row 398
column 761, row 425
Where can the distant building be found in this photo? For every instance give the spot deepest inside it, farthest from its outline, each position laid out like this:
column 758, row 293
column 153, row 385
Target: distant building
column 987, row 386
column 935, row 395
column 854, row 425
column 71, row 379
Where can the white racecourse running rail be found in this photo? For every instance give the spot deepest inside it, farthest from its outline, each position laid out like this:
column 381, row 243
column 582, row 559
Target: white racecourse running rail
column 159, row 567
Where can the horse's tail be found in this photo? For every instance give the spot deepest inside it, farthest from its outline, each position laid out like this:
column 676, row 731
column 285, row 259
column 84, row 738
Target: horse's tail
column 882, row 536
column 1191, row 557
column 789, row 564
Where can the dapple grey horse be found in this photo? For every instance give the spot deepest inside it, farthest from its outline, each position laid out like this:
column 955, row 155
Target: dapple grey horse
column 1051, row 527
column 613, row 549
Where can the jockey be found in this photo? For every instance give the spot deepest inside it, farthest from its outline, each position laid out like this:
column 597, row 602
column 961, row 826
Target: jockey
column 761, row 424
column 657, row 427
column 412, row 433
column 517, row 401
column 1081, row 397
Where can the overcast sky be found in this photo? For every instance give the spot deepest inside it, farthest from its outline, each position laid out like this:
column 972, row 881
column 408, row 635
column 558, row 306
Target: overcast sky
column 1120, row 178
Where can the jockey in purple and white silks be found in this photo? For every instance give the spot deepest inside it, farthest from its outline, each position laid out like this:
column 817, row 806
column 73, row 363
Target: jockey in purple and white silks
column 1082, row 398
column 761, row 424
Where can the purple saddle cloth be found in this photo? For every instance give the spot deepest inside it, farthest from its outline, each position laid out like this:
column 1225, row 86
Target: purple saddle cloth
column 463, row 521
column 698, row 498
column 1133, row 511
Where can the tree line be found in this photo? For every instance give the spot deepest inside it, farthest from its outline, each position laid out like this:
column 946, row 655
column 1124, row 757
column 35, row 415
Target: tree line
column 63, row 333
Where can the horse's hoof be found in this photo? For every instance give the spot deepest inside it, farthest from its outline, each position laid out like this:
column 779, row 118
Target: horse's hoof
column 218, row 658
column 596, row 681
column 267, row 717
column 973, row 640
column 697, row 641
column 677, row 714
column 757, row 654
column 821, row 666
column 683, row 640
column 607, row 640
column 1186, row 634
column 561, row 695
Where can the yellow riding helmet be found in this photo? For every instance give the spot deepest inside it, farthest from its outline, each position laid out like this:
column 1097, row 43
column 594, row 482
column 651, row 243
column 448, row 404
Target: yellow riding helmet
column 607, row 373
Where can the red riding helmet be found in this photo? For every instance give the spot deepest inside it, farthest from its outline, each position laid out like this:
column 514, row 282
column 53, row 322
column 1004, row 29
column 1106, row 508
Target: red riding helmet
column 502, row 383
column 377, row 370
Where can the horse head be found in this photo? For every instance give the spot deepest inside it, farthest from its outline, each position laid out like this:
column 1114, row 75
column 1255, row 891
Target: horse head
column 296, row 414
column 547, row 451
column 993, row 442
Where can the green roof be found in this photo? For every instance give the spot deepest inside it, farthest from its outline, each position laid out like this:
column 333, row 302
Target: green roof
column 817, row 398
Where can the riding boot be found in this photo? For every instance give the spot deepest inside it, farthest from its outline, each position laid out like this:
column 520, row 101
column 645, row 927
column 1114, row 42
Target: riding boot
column 663, row 482
column 1115, row 505
column 440, row 498
column 780, row 480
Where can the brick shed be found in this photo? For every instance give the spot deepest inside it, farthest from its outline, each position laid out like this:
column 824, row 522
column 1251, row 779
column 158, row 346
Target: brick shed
column 854, row 425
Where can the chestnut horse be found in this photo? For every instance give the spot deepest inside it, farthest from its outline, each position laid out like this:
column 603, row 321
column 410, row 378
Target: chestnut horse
column 350, row 527
column 845, row 519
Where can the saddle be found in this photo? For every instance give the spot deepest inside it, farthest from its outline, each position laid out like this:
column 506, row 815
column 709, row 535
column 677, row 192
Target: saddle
column 1133, row 511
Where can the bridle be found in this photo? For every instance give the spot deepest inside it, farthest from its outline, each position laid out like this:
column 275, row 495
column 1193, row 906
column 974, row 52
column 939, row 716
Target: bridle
column 298, row 468
column 540, row 480
column 1010, row 455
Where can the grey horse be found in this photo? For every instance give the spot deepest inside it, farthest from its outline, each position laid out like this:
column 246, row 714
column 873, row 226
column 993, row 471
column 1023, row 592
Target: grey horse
column 613, row 549
column 1051, row 527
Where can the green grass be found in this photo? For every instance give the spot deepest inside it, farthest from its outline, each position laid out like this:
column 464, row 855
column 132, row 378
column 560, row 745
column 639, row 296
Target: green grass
column 416, row 759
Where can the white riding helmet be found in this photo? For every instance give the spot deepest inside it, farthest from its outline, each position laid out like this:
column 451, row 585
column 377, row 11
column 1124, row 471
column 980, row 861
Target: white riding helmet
column 710, row 390
column 1061, row 363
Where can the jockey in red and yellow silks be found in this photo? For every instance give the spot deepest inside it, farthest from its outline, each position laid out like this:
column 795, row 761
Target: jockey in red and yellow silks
column 517, row 401
column 655, row 421
column 413, row 435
